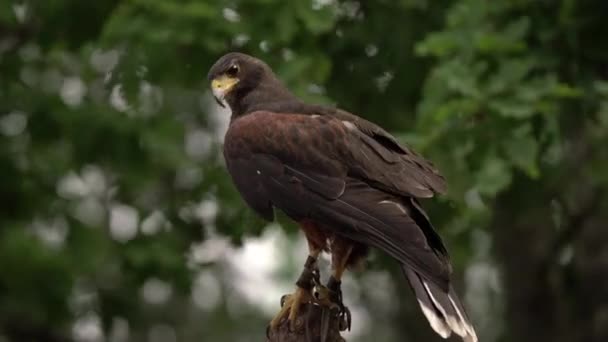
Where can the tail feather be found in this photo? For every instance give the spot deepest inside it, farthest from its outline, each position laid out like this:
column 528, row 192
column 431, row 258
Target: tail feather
column 443, row 310
column 434, row 317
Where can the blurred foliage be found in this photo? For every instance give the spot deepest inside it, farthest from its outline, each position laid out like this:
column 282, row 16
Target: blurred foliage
column 112, row 174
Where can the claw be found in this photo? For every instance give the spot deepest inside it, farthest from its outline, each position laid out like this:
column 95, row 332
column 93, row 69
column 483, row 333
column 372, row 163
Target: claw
column 283, row 299
column 290, row 307
column 345, row 319
column 301, row 296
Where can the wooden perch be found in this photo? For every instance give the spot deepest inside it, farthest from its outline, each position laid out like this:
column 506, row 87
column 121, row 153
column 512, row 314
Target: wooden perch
column 308, row 326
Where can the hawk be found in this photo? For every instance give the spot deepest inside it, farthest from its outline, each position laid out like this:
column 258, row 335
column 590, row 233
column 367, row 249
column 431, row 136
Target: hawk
column 348, row 183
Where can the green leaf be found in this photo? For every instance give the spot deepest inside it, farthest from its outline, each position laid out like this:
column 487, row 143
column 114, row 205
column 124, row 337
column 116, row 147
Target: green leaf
column 511, row 108
column 493, row 176
column 522, row 150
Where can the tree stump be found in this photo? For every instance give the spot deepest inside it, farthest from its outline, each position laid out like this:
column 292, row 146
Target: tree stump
column 308, row 326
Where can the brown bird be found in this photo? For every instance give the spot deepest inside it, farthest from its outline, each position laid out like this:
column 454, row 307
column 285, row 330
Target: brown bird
column 348, row 183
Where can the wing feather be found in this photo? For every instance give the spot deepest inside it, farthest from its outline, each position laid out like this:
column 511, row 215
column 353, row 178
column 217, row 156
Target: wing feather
column 372, row 153
column 407, row 173
column 361, row 213
column 354, row 183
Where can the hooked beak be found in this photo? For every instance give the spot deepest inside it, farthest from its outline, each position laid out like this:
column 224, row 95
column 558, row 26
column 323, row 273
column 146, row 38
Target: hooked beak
column 221, row 86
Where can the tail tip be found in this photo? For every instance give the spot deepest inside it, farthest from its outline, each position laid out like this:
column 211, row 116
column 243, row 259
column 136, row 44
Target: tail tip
column 448, row 321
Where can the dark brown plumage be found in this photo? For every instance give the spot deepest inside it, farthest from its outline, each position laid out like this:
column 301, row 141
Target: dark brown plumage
column 348, row 182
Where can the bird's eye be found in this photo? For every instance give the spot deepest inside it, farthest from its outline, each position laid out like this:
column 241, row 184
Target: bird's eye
column 233, row 70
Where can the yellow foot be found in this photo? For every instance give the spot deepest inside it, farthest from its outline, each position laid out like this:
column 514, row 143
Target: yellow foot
column 322, row 296
column 290, row 308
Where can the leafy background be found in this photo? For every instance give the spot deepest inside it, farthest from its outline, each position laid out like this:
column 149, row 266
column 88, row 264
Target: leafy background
column 118, row 221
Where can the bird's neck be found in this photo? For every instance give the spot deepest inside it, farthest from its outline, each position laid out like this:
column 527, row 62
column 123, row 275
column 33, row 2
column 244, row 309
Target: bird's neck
column 267, row 96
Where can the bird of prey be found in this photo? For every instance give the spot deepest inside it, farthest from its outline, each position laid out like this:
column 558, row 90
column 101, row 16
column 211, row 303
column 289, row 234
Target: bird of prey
column 348, row 183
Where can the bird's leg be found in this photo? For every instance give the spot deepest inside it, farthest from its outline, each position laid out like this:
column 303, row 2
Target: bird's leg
column 340, row 257
column 290, row 304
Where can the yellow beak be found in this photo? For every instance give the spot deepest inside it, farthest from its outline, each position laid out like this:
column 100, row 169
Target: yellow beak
column 222, row 86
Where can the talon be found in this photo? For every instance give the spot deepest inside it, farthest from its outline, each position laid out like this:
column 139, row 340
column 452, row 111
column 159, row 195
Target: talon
column 275, row 322
column 300, row 297
column 284, row 298
column 345, row 319
column 290, row 309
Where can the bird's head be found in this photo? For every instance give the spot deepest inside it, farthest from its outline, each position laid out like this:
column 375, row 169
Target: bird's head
column 243, row 82
column 233, row 74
